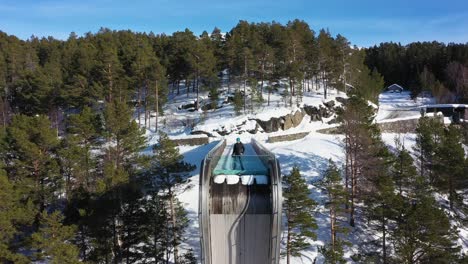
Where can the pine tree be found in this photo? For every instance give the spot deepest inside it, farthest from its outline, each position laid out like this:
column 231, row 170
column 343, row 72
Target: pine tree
column 13, row 215
column 189, row 257
column 380, row 208
column 204, row 64
column 53, row 239
column 299, row 209
column 423, row 233
column 326, row 61
column 404, row 173
column 134, row 219
column 33, row 93
column 109, row 81
column 156, row 216
column 337, row 197
column 77, row 162
column 428, row 135
column 31, row 160
column 363, row 149
column 449, row 162
column 125, row 140
column 238, row 100
column 170, row 170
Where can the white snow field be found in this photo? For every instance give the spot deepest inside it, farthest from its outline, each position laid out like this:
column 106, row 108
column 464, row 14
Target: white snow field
column 310, row 154
column 394, row 106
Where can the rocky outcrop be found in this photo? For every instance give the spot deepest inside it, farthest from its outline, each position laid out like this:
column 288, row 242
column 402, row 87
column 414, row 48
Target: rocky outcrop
column 313, row 112
column 330, row 104
column 281, row 123
column 272, row 125
column 341, row 100
column 318, row 113
column 297, row 118
column 287, row 123
column 199, row 132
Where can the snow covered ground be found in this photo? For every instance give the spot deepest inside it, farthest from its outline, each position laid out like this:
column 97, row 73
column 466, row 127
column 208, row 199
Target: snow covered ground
column 310, row 154
column 393, row 106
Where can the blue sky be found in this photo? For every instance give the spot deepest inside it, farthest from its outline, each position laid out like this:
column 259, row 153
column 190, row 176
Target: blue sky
column 363, row 22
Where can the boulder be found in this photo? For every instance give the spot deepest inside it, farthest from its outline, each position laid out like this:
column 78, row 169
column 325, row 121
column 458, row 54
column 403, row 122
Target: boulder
column 272, row 125
column 313, row 112
column 253, row 131
column 325, row 112
column 288, row 122
column 210, row 106
column 329, row 104
column 297, row 118
column 333, row 121
column 186, row 106
column 341, row 100
column 199, row 132
column 223, row 132
column 310, row 110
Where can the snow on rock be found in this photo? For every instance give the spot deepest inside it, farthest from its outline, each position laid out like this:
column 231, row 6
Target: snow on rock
column 274, row 112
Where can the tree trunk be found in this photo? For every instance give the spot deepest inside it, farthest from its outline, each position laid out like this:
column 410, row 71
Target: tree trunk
column 3, row 112
column 269, row 92
column 110, row 79
column 451, row 191
column 245, row 81
column 332, row 226
column 325, row 88
column 353, row 186
column 115, row 241
column 138, row 104
column 347, row 170
column 145, row 104
column 198, row 95
column 384, row 245
column 229, row 82
column 288, row 246
column 263, row 75
column 156, row 108
column 178, row 87
column 174, row 223
column 194, row 83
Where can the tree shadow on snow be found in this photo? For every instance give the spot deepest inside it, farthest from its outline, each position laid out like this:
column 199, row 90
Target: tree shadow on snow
column 310, row 165
column 192, row 234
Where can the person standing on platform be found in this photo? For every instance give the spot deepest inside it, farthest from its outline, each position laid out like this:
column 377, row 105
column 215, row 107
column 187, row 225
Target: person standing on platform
column 237, row 152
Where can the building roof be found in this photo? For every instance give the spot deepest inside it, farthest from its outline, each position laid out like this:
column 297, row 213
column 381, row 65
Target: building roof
column 395, row 86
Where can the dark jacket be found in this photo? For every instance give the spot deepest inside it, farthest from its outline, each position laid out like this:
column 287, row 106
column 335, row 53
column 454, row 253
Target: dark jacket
column 238, row 149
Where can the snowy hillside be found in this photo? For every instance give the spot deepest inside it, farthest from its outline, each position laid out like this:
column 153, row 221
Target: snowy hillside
column 311, row 154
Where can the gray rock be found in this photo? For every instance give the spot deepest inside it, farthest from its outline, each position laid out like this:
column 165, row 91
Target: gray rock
column 186, row 106
column 313, row 112
column 325, row 112
column 341, row 100
column 199, row 132
column 329, row 104
column 272, row 125
column 288, row 122
column 297, row 118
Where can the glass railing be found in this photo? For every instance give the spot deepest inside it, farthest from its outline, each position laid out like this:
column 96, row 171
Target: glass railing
column 241, row 165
